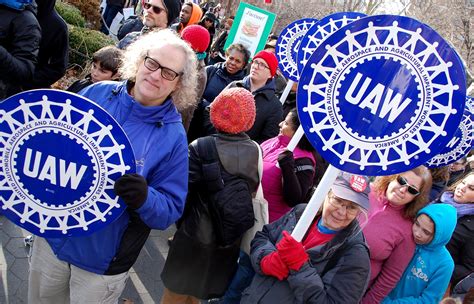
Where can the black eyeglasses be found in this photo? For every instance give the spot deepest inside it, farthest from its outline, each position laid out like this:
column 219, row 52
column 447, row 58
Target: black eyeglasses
column 156, row 9
column 260, row 64
column 411, row 189
column 154, row 65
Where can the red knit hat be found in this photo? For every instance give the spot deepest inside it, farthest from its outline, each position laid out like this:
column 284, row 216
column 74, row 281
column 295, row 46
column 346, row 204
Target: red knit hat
column 233, row 111
column 197, row 36
column 270, row 59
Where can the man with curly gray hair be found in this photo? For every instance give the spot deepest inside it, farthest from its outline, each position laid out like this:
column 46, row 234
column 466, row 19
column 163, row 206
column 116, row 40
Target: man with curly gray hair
column 160, row 73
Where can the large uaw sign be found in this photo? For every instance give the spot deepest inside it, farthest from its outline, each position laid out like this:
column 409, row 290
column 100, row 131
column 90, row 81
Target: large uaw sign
column 60, row 155
column 381, row 95
column 461, row 143
column 288, row 46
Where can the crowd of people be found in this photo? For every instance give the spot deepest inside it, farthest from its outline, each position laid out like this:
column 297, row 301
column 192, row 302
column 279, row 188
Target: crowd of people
column 208, row 129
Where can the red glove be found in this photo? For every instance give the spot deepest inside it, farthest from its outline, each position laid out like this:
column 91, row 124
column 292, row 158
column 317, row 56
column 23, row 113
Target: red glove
column 291, row 252
column 272, row 265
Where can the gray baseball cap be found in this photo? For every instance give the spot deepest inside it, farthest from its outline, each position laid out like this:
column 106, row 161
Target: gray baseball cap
column 354, row 188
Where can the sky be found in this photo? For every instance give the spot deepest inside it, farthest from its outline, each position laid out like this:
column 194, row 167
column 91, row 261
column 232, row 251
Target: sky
column 392, row 7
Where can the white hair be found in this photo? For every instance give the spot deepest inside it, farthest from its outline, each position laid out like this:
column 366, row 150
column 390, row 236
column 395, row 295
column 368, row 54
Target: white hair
column 184, row 96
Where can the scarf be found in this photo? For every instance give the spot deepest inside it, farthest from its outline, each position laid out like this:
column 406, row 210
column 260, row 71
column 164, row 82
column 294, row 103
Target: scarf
column 462, row 209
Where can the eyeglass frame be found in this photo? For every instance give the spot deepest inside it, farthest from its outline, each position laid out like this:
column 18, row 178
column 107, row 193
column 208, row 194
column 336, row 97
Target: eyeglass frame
column 163, row 68
column 259, row 64
column 155, row 8
column 352, row 212
column 410, row 188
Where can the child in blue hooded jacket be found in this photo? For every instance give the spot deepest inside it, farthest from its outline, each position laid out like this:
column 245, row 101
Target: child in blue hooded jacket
column 427, row 276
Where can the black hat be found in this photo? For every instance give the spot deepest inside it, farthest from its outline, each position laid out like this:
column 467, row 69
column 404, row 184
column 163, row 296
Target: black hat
column 174, row 8
column 210, row 16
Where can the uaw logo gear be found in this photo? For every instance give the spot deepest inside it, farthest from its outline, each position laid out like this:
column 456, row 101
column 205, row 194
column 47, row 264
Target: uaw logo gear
column 60, row 155
column 288, row 45
column 461, row 143
column 358, row 183
column 320, row 31
column 381, row 95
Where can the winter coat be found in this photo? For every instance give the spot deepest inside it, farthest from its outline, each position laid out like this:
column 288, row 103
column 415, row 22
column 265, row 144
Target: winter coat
column 196, row 264
column 115, row 2
column 427, row 276
column 461, row 247
column 273, row 179
column 131, row 37
column 269, row 111
column 390, row 239
column 219, row 43
column 54, row 47
column 462, row 287
column 337, row 272
column 217, row 79
column 188, row 114
column 436, row 190
column 132, row 24
column 20, row 35
column 159, row 143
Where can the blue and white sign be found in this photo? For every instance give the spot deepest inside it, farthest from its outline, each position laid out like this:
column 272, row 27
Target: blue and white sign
column 461, row 143
column 381, row 95
column 320, row 31
column 60, row 156
column 288, row 45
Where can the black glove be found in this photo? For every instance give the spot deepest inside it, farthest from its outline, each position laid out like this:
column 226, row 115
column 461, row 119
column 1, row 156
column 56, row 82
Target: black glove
column 285, row 156
column 133, row 189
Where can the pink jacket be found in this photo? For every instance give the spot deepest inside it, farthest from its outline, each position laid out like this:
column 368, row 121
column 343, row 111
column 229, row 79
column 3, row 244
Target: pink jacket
column 390, row 239
column 272, row 177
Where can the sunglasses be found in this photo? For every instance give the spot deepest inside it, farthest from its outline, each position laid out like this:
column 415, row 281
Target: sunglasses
column 411, row 189
column 156, row 9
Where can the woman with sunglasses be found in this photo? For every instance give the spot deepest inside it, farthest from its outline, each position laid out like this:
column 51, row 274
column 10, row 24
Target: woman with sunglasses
column 394, row 203
column 461, row 246
column 160, row 73
column 331, row 263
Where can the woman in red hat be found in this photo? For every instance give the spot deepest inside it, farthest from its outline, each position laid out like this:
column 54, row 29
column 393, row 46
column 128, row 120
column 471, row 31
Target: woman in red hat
column 261, row 83
column 200, row 264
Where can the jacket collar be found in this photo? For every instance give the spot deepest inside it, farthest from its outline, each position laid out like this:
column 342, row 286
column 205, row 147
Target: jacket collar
column 232, row 137
column 222, row 71
column 164, row 113
column 268, row 90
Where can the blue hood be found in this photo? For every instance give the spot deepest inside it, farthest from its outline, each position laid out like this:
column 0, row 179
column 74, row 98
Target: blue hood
column 445, row 219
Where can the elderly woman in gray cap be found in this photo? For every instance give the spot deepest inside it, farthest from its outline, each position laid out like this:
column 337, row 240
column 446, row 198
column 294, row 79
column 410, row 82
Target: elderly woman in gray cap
column 331, row 264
